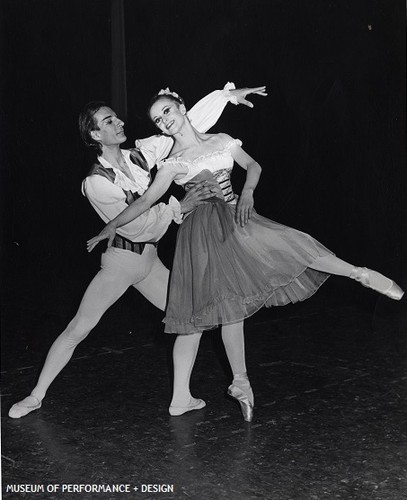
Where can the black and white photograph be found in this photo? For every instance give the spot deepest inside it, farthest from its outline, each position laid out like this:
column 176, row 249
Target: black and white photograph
column 203, row 249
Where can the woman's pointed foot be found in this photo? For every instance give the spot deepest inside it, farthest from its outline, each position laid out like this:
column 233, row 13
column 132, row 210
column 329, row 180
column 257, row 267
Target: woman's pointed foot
column 24, row 407
column 194, row 404
column 241, row 390
column 245, row 405
column 378, row 282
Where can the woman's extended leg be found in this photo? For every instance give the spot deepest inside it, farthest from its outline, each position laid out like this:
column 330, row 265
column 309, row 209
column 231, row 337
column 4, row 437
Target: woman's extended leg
column 371, row 279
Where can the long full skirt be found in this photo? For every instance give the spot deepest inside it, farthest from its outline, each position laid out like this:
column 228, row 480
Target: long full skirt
column 223, row 273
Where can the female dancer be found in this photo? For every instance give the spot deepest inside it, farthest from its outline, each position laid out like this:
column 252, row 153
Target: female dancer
column 229, row 261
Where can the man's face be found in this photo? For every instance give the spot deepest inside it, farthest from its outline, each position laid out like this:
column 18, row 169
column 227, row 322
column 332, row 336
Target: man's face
column 111, row 128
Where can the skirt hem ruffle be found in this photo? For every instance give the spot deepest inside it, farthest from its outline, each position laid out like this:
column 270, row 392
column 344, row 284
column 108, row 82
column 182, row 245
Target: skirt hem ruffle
column 197, row 323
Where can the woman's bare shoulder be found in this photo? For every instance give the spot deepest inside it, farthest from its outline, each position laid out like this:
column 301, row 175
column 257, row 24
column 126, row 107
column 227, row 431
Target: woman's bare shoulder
column 220, row 140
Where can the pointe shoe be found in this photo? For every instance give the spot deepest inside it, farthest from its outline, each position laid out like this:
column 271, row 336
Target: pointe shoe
column 24, row 407
column 176, row 411
column 377, row 282
column 242, row 398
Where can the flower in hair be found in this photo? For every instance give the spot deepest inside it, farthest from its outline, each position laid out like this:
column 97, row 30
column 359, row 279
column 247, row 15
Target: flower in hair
column 167, row 91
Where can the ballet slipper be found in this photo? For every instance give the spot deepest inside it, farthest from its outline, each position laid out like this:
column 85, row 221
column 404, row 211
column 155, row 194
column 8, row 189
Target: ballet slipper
column 197, row 404
column 24, row 407
column 377, row 282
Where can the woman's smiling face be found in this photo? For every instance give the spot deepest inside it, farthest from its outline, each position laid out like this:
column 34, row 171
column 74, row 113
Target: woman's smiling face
column 168, row 115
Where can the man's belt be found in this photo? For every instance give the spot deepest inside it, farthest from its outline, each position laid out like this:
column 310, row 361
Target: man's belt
column 125, row 244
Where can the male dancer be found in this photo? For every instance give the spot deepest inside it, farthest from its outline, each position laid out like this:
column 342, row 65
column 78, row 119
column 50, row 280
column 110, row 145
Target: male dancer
column 115, row 180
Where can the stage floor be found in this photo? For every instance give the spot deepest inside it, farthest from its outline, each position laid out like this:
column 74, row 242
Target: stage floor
column 330, row 380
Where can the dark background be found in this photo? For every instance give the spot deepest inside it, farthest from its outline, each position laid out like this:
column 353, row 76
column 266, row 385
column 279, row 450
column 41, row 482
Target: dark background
column 330, row 136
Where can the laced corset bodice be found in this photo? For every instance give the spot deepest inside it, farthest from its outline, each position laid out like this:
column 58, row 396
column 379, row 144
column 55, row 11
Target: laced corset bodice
column 217, row 164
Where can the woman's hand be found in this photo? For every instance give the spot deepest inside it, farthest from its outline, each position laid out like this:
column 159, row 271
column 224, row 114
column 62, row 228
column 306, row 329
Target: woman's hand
column 108, row 233
column 239, row 95
column 244, row 207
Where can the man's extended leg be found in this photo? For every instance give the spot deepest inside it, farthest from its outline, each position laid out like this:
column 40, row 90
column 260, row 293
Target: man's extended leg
column 106, row 287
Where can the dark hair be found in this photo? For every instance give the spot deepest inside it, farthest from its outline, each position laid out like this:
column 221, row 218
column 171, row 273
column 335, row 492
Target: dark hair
column 87, row 123
column 157, row 97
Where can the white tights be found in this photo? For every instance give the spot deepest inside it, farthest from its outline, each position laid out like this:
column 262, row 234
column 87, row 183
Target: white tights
column 121, row 269
column 184, row 355
column 332, row 265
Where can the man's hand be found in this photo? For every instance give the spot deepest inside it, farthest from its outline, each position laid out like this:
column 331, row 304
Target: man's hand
column 239, row 95
column 198, row 194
